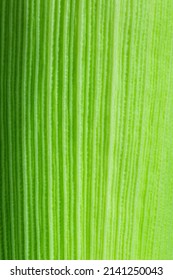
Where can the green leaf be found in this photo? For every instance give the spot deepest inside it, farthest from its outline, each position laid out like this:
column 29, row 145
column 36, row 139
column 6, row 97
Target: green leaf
column 86, row 126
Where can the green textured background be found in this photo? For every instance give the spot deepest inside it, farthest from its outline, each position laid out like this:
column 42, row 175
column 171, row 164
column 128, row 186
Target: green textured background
column 86, row 129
